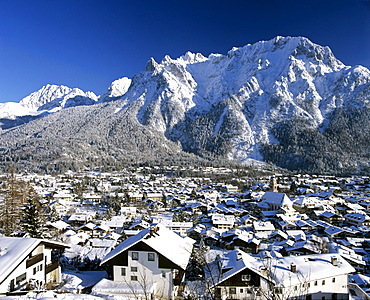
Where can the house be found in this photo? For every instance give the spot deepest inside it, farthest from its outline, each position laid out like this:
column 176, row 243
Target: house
column 238, row 275
column 263, row 228
column 27, row 263
column 271, row 201
column 151, row 262
column 221, row 221
column 357, row 219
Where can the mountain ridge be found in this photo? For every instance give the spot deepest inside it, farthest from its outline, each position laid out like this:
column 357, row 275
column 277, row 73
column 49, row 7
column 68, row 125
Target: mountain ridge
column 239, row 106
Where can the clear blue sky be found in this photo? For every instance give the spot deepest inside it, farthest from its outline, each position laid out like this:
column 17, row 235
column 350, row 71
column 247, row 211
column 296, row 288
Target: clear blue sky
column 90, row 43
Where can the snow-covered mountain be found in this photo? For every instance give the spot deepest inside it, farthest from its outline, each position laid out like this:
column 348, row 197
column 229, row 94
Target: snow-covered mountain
column 116, row 90
column 229, row 103
column 286, row 101
column 48, row 99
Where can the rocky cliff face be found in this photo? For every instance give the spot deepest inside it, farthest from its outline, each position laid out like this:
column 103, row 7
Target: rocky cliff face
column 287, row 101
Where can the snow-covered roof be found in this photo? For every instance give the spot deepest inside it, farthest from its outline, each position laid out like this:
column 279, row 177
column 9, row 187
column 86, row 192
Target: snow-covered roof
column 315, row 267
column 14, row 250
column 280, row 199
column 163, row 240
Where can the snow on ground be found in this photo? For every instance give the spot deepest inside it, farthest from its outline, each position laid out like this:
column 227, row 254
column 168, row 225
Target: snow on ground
column 73, row 283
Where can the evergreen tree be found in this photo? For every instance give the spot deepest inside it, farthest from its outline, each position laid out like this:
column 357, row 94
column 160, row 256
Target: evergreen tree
column 197, row 263
column 32, row 221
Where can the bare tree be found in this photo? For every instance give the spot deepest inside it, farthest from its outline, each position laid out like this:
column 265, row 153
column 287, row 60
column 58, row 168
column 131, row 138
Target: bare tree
column 281, row 287
column 142, row 288
column 13, row 193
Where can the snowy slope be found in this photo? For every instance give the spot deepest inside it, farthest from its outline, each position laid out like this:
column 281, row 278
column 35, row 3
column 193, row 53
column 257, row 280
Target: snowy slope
column 286, row 100
column 49, row 98
column 237, row 98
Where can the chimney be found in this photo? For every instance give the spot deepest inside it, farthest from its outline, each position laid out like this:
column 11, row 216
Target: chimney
column 293, row 268
column 334, row 261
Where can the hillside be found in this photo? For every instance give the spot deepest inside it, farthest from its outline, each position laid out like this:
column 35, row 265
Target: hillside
column 286, row 101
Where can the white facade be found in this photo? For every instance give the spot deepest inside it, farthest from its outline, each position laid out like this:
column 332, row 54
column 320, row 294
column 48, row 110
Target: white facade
column 143, row 272
column 26, row 263
column 150, row 264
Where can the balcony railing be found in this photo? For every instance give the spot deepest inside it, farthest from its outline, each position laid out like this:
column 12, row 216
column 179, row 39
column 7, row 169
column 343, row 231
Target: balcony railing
column 34, row 260
column 51, row 267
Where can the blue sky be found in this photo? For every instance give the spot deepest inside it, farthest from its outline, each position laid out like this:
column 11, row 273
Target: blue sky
column 90, row 43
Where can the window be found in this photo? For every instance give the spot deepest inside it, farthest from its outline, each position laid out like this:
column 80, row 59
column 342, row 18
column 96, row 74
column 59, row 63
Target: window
column 40, row 267
column 246, row 277
column 135, row 256
column 151, row 256
column 333, row 280
column 123, row 271
column 133, row 269
column 20, row 278
column 232, row 291
column 278, row 290
column 241, row 291
column 323, row 282
column 133, row 278
column 34, row 271
column 315, row 282
column 163, row 274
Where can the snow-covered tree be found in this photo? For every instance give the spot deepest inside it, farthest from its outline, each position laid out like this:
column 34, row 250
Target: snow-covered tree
column 32, row 221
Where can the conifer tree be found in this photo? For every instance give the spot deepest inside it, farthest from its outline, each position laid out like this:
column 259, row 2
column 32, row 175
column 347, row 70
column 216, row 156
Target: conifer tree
column 32, row 221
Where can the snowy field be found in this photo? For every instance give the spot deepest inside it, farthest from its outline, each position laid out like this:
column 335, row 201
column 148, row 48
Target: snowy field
column 73, row 284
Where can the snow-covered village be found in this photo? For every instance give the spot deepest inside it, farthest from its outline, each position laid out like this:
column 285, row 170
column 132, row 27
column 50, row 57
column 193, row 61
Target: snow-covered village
column 149, row 233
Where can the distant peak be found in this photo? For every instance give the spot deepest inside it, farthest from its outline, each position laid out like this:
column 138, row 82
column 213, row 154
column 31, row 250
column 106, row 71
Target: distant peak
column 151, row 65
column 190, row 57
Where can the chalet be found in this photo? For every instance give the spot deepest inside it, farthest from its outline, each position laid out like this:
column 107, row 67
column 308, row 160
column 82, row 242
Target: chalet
column 263, row 228
column 247, row 243
column 221, row 221
column 81, row 218
column 179, row 227
column 89, row 199
column 151, row 262
column 330, row 217
column 28, row 263
column 238, row 275
column 357, row 219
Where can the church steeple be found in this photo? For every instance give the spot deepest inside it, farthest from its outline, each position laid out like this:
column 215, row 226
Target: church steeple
column 273, row 184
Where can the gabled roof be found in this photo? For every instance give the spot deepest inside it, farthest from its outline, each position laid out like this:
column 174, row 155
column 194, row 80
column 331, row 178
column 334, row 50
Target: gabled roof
column 276, row 198
column 14, row 250
column 163, row 240
column 314, row 267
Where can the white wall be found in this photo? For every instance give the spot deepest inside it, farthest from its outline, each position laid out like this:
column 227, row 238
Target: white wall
column 147, row 272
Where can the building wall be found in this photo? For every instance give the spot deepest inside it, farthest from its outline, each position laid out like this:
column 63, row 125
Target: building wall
column 143, row 269
column 22, row 275
column 235, row 288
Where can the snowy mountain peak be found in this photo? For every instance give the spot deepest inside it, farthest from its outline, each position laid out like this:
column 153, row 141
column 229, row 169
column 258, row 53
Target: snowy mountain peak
column 117, row 89
column 49, row 98
column 54, row 93
column 261, row 101
column 151, row 65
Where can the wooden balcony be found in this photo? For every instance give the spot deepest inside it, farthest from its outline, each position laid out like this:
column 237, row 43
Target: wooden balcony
column 34, row 260
column 51, row 267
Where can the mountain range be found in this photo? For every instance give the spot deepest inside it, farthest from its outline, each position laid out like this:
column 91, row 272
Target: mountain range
column 286, row 101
